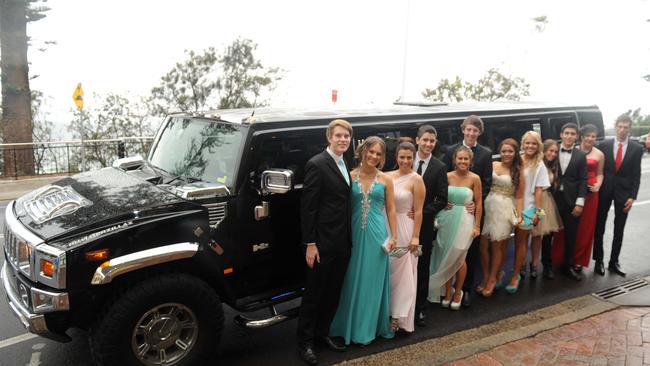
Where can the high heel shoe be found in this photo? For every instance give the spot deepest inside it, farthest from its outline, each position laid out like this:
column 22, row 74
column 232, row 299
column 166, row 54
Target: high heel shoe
column 533, row 271
column 499, row 283
column 445, row 303
column 456, row 305
column 488, row 290
column 522, row 271
column 513, row 289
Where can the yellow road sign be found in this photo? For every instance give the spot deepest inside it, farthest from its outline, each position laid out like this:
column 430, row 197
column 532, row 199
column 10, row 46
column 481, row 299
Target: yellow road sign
column 78, row 97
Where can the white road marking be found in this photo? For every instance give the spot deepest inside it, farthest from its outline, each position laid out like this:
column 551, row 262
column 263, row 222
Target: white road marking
column 35, row 360
column 17, row 339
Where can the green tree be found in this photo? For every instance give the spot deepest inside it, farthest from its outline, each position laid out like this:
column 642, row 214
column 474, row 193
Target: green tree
column 494, row 85
column 235, row 79
column 16, row 96
column 115, row 118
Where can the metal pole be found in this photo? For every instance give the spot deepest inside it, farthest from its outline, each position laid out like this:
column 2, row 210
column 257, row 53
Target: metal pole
column 67, row 151
column 15, row 166
column 83, row 156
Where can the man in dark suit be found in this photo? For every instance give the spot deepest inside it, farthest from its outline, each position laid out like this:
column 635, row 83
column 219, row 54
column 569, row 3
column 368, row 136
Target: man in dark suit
column 434, row 174
column 570, row 196
column 472, row 127
column 327, row 234
column 620, row 184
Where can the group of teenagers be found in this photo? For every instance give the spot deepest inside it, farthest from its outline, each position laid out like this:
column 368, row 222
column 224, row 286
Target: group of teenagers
column 380, row 246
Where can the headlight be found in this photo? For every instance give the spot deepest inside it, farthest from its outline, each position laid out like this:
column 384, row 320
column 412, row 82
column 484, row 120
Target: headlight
column 50, row 265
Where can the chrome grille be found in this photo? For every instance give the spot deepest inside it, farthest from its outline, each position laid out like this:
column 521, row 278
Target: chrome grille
column 11, row 246
column 216, row 211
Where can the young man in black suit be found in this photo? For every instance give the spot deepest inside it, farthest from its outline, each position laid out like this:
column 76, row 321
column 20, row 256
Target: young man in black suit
column 434, row 174
column 472, row 127
column 327, row 234
column 620, row 184
column 570, row 196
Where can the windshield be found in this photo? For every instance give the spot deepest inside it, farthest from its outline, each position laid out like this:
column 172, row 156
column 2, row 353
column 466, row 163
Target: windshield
column 199, row 148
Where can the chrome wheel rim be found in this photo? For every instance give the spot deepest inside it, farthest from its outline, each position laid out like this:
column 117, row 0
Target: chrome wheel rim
column 165, row 334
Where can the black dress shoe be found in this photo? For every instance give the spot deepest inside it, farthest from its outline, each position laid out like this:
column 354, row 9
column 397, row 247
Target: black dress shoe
column 548, row 273
column 307, row 354
column 420, row 319
column 616, row 268
column 573, row 274
column 333, row 344
column 599, row 268
column 466, row 301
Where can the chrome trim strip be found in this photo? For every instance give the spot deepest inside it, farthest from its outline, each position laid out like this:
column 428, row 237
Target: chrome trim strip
column 115, row 267
column 32, row 322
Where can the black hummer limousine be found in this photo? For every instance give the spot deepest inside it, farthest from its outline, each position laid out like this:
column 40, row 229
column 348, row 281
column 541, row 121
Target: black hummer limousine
column 145, row 253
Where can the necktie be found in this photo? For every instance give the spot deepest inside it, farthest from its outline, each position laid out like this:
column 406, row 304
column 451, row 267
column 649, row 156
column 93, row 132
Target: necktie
column 419, row 171
column 619, row 156
column 341, row 166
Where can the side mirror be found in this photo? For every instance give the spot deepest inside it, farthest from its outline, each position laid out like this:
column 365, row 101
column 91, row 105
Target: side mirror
column 277, row 181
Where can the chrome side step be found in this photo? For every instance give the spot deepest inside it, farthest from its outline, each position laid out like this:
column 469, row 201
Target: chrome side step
column 275, row 318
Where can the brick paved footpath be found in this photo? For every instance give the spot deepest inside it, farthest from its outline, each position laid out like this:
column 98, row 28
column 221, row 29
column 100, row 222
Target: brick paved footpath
column 618, row 337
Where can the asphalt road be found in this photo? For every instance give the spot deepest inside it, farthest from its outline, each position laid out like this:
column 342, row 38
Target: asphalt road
column 276, row 345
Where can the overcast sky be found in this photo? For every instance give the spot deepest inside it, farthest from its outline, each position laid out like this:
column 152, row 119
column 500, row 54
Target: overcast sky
column 593, row 52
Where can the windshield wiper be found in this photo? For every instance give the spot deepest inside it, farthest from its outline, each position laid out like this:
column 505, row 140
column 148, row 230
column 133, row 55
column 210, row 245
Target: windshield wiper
column 186, row 178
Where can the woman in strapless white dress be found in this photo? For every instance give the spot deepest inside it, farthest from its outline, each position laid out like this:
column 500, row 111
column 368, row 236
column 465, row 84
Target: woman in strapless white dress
column 502, row 211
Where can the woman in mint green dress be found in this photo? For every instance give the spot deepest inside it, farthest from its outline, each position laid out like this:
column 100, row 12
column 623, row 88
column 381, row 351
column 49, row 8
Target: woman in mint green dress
column 364, row 307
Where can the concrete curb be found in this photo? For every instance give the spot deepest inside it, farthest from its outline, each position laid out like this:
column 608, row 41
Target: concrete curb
column 468, row 342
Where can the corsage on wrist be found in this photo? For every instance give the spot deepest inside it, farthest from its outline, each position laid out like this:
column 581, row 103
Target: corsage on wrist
column 540, row 213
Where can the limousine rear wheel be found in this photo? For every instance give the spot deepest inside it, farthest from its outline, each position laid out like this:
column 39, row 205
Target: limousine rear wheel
column 175, row 319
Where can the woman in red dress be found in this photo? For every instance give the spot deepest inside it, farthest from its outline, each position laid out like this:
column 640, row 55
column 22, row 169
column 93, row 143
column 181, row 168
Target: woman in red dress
column 587, row 226
column 595, row 168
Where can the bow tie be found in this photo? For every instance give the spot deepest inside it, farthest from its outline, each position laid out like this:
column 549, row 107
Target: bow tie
column 566, row 150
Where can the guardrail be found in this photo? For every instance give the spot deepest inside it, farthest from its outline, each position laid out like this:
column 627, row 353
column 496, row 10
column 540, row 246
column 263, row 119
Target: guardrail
column 67, row 157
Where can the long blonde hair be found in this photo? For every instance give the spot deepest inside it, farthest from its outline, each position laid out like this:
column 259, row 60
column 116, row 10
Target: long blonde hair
column 540, row 147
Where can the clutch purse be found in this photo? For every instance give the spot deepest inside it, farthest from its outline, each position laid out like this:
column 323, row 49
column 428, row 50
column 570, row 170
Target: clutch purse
column 527, row 217
column 398, row 252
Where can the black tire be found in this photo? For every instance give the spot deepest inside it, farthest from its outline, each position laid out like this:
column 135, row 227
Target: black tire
column 113, row 338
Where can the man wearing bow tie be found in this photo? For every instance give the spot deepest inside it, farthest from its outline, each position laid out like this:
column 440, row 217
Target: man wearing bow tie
column 570, row 197
column 620, row 184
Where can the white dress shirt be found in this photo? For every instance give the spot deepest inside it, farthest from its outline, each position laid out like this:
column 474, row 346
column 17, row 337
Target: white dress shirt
column 417, row 160
column 616, row 142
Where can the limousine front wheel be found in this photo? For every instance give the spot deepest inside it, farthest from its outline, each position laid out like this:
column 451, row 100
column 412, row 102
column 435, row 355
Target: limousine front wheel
column 176, row 319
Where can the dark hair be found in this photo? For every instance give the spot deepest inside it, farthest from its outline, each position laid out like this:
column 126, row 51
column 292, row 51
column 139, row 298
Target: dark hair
column 406, row 139
column 624, row 118
column 473, row 120
column 427, row 129
column 405, row 145
column 570, row 125
column 553, row 166
column 515, row 167
column 587, row 129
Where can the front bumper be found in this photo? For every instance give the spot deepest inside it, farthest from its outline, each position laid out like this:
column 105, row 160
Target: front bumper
column 33, row 322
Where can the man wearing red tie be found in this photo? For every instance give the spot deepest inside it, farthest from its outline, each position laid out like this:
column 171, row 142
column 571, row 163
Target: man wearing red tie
column 620, row 184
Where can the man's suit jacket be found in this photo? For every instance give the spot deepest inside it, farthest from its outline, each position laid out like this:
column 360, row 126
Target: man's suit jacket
column 481, row 164
column 625, row 182
column 573, row 182
column 325, row 206
column 435, row 182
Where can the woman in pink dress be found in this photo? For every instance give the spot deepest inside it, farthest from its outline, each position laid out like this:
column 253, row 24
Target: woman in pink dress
column 409, row 197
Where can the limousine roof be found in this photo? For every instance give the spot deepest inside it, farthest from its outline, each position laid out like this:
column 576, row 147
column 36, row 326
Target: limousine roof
column 270, row 115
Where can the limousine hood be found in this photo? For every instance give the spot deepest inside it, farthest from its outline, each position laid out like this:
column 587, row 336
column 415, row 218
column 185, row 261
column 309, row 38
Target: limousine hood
column 86, row 200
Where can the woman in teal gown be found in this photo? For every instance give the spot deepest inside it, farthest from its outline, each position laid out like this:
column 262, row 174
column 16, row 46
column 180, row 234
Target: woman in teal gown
column 364, row 307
